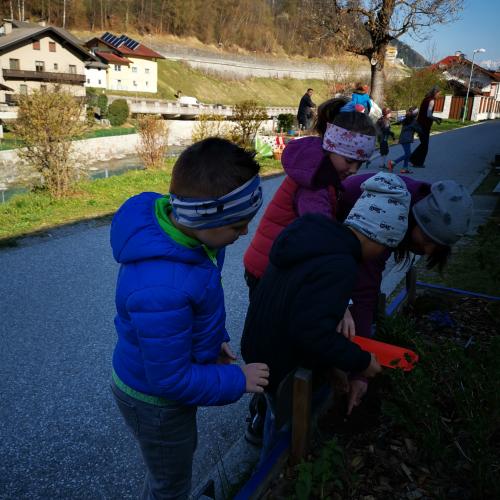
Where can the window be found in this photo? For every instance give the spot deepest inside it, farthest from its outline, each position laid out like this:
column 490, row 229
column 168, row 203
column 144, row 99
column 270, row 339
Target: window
column 88, row 81
column 52, row 46
column 99, row 81
column 14, row 64
column 118, row 67
column 56, row 66
column 147, row 83
column 36, row 45
column 134, row 69
column 39, row 66
column 23, row 89
column 135, row 83
column 72, row 69
column 147, row 71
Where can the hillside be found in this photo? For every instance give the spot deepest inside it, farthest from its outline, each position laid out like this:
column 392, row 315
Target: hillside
column 211, row 88
column 410, row 57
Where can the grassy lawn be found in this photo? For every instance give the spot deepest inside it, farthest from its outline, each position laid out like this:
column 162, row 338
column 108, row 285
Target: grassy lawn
column 31, row 212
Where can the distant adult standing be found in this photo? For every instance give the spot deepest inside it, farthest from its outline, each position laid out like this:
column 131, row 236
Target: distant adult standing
column 425, row 119
column 305, row 112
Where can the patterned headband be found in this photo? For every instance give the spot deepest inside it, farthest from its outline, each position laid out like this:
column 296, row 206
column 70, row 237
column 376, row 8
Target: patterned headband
column 196, row 213
column 347, row 143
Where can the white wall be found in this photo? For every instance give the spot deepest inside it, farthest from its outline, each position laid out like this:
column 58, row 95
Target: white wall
column 95, row 78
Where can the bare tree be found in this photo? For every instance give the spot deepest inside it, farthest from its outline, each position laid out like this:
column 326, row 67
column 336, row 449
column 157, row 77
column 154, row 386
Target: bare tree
column 365, row 27
column 47, row 122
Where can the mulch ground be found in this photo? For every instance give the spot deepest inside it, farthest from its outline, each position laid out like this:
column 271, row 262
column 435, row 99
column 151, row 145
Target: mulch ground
column 382, row 460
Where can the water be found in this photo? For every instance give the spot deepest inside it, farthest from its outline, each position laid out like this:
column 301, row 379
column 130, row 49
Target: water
column 98, row 170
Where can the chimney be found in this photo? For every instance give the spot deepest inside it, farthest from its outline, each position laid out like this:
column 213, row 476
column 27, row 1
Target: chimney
column 7, row 26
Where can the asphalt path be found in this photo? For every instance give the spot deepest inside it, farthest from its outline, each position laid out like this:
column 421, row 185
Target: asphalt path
column 60, row 433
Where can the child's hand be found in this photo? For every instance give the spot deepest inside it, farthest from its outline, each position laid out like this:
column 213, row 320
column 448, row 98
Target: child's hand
column 226, row 355
column 346, row 326
column 257, row 375
column 373, row 368
column 357, row 390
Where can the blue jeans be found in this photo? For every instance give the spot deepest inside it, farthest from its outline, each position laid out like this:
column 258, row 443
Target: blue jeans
column 167, row 437
column 406, row 156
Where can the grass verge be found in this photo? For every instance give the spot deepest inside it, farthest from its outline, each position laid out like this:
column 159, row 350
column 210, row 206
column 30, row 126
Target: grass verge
column 28, row 213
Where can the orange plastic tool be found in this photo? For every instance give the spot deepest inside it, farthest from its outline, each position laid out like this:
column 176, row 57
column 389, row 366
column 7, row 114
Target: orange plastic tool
column 388, row 355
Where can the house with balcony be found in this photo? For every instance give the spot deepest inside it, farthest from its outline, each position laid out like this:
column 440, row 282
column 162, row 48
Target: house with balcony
column 131, row 65
column 34, row 56
column 457, row 71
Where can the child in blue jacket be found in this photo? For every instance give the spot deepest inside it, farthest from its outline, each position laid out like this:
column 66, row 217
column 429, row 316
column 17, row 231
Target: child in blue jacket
column 172, row 353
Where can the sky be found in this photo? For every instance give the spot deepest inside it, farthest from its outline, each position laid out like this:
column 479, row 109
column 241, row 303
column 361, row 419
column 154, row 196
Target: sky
column 478, row 27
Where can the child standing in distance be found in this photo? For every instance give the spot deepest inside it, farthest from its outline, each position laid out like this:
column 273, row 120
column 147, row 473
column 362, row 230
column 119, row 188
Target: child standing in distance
column 384, row 132
column 409, row 126
column 172, row 353
column 361, row 96
column 315, row 168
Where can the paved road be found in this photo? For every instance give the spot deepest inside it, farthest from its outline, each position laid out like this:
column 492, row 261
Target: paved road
column 60, row 434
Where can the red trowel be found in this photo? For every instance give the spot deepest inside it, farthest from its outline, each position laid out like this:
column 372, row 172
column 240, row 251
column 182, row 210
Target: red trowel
column 388, row 355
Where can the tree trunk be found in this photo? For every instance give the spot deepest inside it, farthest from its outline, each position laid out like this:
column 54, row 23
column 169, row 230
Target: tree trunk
column 377, row 86
column 64, row 14
column 11, row 10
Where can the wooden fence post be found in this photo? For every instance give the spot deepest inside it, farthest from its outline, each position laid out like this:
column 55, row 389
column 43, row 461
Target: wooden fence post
column 411, row 285
column 301, row 414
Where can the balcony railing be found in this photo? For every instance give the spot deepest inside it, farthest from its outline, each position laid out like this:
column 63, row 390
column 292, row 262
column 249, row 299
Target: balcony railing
column 45, row 76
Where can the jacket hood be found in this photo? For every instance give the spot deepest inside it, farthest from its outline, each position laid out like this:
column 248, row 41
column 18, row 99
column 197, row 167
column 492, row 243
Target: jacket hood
column 302, row 158
column 136, row 234
column 313, row 236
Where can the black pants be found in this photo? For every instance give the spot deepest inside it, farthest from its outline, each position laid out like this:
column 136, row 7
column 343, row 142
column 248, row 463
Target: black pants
column 258, row 403
column 419, row 155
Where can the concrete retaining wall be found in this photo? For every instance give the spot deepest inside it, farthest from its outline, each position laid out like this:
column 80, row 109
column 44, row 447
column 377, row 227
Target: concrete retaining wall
column 105, row 148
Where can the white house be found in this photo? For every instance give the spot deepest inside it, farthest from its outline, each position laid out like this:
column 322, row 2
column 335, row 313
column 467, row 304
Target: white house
column 34, row 56
column 131, row 65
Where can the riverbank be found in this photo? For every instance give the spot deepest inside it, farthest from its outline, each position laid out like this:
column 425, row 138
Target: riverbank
column 30, row 213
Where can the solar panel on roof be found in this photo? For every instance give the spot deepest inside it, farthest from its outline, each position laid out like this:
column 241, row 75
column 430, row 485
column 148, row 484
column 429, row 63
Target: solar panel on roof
column 106, row 36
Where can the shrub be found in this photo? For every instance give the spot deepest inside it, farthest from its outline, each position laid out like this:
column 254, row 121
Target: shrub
column 248, row 116
column 208, row 125
column 153, row 137
column 118, row 112
column 285, row 122
column 402, row 94
column 47, row 122
column 102, row 104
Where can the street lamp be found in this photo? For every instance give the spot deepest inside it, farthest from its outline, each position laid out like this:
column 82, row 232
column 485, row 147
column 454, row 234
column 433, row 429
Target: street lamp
column 470, row 79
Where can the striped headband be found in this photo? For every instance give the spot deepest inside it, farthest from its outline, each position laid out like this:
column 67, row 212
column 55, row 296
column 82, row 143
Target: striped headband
column 347, row 143
column 197, row 213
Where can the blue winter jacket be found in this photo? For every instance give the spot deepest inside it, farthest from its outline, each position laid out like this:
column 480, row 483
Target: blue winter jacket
column 170, row 313
column 363, row 99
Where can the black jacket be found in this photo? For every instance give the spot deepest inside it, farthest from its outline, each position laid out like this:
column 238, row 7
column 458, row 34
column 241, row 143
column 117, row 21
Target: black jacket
column 305, row 106
column 298, row 303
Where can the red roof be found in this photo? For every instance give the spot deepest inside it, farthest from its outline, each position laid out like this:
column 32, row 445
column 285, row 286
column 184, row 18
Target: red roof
column 140, row 51
column 109, row 57
column 451, row 60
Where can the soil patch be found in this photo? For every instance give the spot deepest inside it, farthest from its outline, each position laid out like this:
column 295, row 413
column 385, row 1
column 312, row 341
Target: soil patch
column 430, row 433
